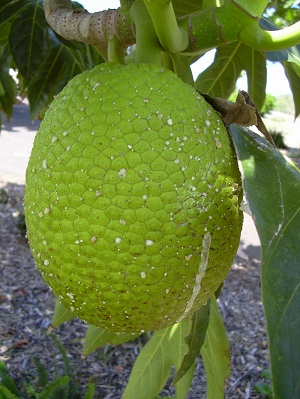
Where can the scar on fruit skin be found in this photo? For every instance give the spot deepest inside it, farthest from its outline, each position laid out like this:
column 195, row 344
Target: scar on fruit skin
column 206, row 243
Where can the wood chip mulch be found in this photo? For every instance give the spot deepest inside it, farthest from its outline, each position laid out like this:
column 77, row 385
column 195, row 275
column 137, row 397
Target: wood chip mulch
column 26, row 309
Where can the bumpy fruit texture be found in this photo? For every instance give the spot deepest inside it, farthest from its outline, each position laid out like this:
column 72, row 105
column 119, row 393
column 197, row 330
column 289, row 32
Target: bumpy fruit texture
column 132, row 198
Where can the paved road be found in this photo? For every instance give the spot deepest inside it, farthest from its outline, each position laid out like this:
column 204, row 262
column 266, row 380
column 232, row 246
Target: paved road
column 16, row 141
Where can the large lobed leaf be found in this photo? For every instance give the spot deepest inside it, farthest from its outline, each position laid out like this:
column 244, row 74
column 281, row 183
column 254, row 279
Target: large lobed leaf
column 272, row 185
column 219, row 79
column 45, row 61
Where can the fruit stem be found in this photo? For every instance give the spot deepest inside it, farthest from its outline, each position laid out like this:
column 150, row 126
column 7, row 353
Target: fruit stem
column 148, row 49
column 172, row 37
column 115, row 51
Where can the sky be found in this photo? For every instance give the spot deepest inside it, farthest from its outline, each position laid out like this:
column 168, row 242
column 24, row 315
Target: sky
column 275, row 70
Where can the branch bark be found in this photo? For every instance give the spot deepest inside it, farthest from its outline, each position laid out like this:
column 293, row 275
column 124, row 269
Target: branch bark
column 96, row 28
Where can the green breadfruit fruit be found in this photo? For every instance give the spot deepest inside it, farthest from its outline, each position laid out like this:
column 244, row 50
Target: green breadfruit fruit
column 132, row 198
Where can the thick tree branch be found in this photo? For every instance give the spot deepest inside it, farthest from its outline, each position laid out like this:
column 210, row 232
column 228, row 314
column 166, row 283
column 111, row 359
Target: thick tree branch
column 91, row 28
column 217, row 26
column 236, row 20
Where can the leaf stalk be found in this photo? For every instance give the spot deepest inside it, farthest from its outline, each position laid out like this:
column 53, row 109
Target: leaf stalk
column 148, row 48
column 255, row 37
column 172, row 37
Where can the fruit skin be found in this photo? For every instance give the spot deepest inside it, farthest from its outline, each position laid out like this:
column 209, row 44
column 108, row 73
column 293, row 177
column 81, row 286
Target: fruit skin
column 132, row 198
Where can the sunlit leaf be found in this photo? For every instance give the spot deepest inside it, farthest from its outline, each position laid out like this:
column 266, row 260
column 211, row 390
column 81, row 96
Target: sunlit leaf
column 272, row 185
column 194, row 340
column 96, row 337
column 181, row 66
column 152, row 367
column 61, row 314
column 219, row 79
column 178, row 340
column 292, row 70
column 216, row 353
column 185, row 7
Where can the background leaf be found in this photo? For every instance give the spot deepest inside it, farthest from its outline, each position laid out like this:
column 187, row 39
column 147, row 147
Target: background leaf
column 45, row 61
column 185, row 7
column 219, row 79
column 28, row 38
column 96, row 337
column 292, row 70
column 216, row 353
column 8, row 87
column 272, row 186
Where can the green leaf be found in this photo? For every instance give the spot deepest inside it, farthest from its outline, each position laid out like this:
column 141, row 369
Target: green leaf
column 119, row 339
column 6, row 393
column 54, row 73
column 42, row 373
column 152, row 367
column 61, row 314
column 4, row 33
column 8, row 87
column 292, row 70
column 219, row 79
column 272, row 184
column 10, row 8
column 180, row 65
column 29, row 41
column 216, row 353
column 45, row 61
column 96, row 337
column 185, row 7
column 58, row 383
column 194, row 340
column 178, row 341
column 90, row 391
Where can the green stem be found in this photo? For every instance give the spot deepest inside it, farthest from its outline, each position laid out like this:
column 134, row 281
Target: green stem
column 254, row 8
column 255, row 37
column 172, row 38
column 115, row 51
column 214, row 27
column 148, row 49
